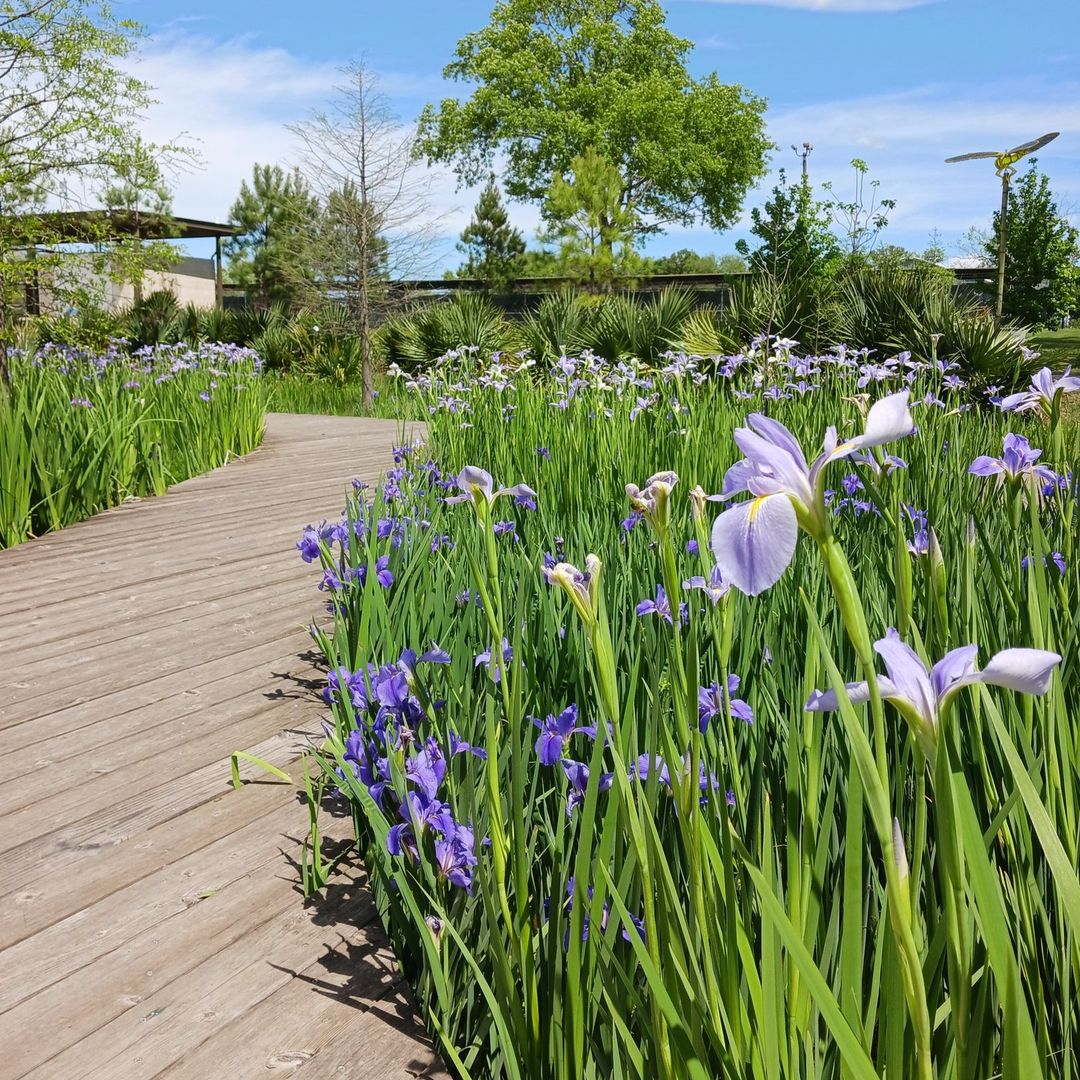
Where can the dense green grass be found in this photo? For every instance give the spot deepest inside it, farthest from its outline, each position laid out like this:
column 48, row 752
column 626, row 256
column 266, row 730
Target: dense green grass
column 791, row 929
column 80, row 432
column 1058, row 348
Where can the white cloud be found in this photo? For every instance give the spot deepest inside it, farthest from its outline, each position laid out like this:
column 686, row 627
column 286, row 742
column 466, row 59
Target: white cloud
column 905, row 138
column 231, row 99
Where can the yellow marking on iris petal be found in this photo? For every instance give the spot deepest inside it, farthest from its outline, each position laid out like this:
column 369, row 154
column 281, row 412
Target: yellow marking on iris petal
column 755, row 506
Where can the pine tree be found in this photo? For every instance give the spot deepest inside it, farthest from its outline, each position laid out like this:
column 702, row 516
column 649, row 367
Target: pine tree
column 1041, row 253
column 492, row 246
column 277, row 213
column 585, row 214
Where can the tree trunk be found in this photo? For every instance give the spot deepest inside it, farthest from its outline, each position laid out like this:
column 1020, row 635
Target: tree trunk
column 364, row 325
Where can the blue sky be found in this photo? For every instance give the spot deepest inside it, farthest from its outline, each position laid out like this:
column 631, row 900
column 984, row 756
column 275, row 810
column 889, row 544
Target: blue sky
column 899, row 83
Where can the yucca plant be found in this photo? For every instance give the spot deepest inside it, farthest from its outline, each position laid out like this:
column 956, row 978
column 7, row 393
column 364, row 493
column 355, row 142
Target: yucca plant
column 554, row 329
column 702, row 333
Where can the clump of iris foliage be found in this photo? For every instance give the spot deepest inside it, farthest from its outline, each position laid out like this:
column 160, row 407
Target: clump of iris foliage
column 731, row 729
column 81, row 431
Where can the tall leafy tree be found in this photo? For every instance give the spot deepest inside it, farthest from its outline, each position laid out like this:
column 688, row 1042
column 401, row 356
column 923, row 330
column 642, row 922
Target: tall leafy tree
column 1041, row 253
column 585, row 215
column 554, row 77
column 139, row 194
column 276, row 212
column 68, row 118
column 492, row 246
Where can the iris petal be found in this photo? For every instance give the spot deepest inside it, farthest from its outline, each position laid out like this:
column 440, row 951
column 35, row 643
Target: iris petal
column 754, row 542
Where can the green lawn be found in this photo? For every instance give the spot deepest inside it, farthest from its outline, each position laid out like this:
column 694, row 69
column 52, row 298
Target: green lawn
column 1058, row 347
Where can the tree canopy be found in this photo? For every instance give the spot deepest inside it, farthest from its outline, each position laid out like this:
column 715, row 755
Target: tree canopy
column 68, row 116
column 1041, row 252
column 276, row 211
column 554, row 77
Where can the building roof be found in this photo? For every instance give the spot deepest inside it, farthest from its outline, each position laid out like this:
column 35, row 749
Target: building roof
column 91, row 226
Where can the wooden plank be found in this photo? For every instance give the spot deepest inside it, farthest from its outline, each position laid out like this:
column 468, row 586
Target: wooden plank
column 92, row 744
column 170, row 699
column 74, row 879
column 293, row 950
column 173, row 647
column 146, row 910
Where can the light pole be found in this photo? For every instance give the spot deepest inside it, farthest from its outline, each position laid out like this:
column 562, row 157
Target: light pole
column 1003, row 166
column 803, row 154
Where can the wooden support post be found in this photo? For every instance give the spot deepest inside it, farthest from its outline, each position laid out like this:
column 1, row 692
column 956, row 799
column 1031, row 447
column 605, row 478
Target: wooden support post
column 219, row 285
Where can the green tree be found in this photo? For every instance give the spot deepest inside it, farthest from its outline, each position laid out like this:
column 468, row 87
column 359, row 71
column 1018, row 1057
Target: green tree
column 1041, row 253
column 347, row 247
column 68, row 115
column 685, row 261
column 793, row 229
column 277, row 213
column 586, row 216
column 139, row 195
column 492, row 246
column 554, row 77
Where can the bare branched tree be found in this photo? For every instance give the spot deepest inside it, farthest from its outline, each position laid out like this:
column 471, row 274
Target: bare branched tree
column 377, row 224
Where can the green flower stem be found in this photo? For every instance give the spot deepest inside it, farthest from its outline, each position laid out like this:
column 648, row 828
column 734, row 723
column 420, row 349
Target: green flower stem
column 899, row 897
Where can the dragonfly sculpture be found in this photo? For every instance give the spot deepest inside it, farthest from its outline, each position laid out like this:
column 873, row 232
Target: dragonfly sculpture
column 1007, row 159
column 1004, row 160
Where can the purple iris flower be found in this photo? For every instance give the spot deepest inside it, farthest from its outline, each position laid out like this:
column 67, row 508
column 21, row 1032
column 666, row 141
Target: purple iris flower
column 460, row 746
column 544, row 452
column 82, row 403
column 1017, row 462
column 711, row 704
column 556, row 733
column 754, row 541
column 660, row 606
column 382, row 571
column 455, row 857
column 486, row 658
column 1043, row 392
column 578, row 776
column 505, row 528
column 920, row 695
column 1055, row 556
column 342, row 681
column 919, row 544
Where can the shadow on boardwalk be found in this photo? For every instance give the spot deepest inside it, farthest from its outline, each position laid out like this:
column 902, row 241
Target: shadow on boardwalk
column 149, row 923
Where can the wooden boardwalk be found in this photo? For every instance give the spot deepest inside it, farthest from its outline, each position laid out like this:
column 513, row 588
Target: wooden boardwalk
column 150, row 923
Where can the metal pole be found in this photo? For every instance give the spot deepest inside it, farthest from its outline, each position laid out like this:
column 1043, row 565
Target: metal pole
column 219, row 287
column 1002, row 219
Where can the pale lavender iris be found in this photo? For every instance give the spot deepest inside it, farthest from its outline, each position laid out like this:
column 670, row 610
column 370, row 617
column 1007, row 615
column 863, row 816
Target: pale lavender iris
column 920, row 695
column 1042, row 393
column 754, row 541
column 1018, row 462
column 715, row 588
column 477, row 486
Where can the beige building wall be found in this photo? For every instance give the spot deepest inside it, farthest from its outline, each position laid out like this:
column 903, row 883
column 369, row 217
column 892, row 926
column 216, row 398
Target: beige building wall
column 190, row 280
column 186, row 287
